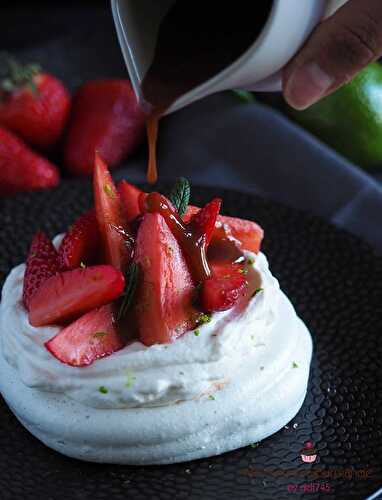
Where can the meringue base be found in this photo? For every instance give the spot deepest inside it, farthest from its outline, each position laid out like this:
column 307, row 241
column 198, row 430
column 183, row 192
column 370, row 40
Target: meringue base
column 240, row 413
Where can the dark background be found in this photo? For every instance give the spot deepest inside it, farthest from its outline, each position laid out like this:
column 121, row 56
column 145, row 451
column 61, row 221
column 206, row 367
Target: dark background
column 36, row 30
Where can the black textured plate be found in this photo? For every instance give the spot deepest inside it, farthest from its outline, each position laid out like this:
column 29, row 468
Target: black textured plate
column 335, row 282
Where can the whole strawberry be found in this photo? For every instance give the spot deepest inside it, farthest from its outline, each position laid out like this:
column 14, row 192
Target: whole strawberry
column 33, row 104
column 21, row 169
column 105, row 118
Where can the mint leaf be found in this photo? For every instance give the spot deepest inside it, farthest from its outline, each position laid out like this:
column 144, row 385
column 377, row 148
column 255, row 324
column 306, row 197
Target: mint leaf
column 131, row 280
column 180, row 195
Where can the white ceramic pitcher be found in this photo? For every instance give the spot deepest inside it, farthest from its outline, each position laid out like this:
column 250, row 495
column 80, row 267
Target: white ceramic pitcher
column 289, row 24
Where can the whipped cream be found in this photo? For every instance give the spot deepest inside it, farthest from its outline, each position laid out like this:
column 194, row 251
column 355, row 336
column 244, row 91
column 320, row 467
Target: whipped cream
column 241, row 379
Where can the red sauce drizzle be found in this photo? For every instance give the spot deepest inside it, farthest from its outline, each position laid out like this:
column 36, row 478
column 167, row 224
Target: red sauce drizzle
column 152, row 135
column 191, row 242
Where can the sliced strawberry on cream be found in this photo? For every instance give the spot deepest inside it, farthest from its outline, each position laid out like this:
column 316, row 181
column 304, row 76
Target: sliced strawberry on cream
column 80, row 245
column 224, row 288
column 200, row 325
column 67, row 295
column 130, row 196
column 202, row 225
column 116, row 240
column 194, row 237
column 42, row 263
column 164, row 300
column 94, row 335
column 247, row 232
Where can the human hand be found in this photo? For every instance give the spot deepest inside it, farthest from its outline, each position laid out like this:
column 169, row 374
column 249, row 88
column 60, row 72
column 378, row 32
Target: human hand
column 338, row 48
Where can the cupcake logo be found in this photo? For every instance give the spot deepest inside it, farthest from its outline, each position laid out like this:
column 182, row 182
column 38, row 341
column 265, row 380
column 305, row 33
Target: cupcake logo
column 309, row 454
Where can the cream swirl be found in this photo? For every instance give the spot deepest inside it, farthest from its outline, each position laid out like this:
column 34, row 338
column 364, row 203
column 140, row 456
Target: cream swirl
column 240, row 380
column 140, row 376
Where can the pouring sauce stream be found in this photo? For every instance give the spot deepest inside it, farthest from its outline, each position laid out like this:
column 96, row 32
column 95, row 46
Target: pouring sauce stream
column 196, row 41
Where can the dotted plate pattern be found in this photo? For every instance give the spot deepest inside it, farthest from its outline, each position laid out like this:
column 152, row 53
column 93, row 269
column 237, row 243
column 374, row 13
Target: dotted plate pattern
column 335, row 282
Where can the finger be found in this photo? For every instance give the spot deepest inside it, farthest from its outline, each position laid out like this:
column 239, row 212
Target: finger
column 338, row 48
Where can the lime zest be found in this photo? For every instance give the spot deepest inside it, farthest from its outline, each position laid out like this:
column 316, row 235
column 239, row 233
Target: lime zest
column 130, row 379
column 100, row 335
column 109, row 190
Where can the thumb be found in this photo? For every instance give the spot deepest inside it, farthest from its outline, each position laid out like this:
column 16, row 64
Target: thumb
column 338, row 48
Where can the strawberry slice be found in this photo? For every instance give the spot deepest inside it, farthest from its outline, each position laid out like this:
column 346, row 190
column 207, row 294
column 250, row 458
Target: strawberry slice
column 42, row 263
column 80, row 244
column 247, row 232
column 130, row 196
column 224, row 248
column 70, row 294
column 194, row 237
column 165, row 292
column 224, row 288
column 202, row 225
column 91, row 337
column 117, row 242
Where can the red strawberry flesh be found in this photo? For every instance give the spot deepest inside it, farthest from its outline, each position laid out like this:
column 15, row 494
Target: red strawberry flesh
column 194, row 237
column 224, row 249
column 80, row 244
column 222, row 291
column 116, row 240
column 130, row 196
column 203, row 223
column 247, row 232
column 92, row 336
column 66, row 296
column 42, row 263
column 163, row 309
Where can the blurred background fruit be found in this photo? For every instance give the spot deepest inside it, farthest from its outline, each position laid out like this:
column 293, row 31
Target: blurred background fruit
column 33, row 104
column 105, row 118
column 350, row 120
column 36, row 111
column 21, row 169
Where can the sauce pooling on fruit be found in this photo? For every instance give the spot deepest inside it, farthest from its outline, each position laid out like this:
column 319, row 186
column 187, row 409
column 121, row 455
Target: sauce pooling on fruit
column 220, row 250
column 223, row 250
column 192, row 245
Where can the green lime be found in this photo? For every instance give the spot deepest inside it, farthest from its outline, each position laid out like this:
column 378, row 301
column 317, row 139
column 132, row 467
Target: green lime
column 350, row 120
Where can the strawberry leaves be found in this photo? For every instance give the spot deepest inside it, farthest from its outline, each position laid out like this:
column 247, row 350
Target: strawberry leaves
column 14, row 76
column 180, row 195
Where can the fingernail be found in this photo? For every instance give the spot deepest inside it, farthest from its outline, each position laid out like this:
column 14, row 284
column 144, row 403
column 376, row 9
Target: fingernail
column 307, row 85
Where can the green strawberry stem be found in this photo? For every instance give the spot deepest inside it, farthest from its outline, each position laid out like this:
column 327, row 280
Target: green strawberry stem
column 14, row 76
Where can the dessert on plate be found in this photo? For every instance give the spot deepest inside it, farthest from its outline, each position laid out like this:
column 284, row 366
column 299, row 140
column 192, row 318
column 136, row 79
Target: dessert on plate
column 152, row 332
